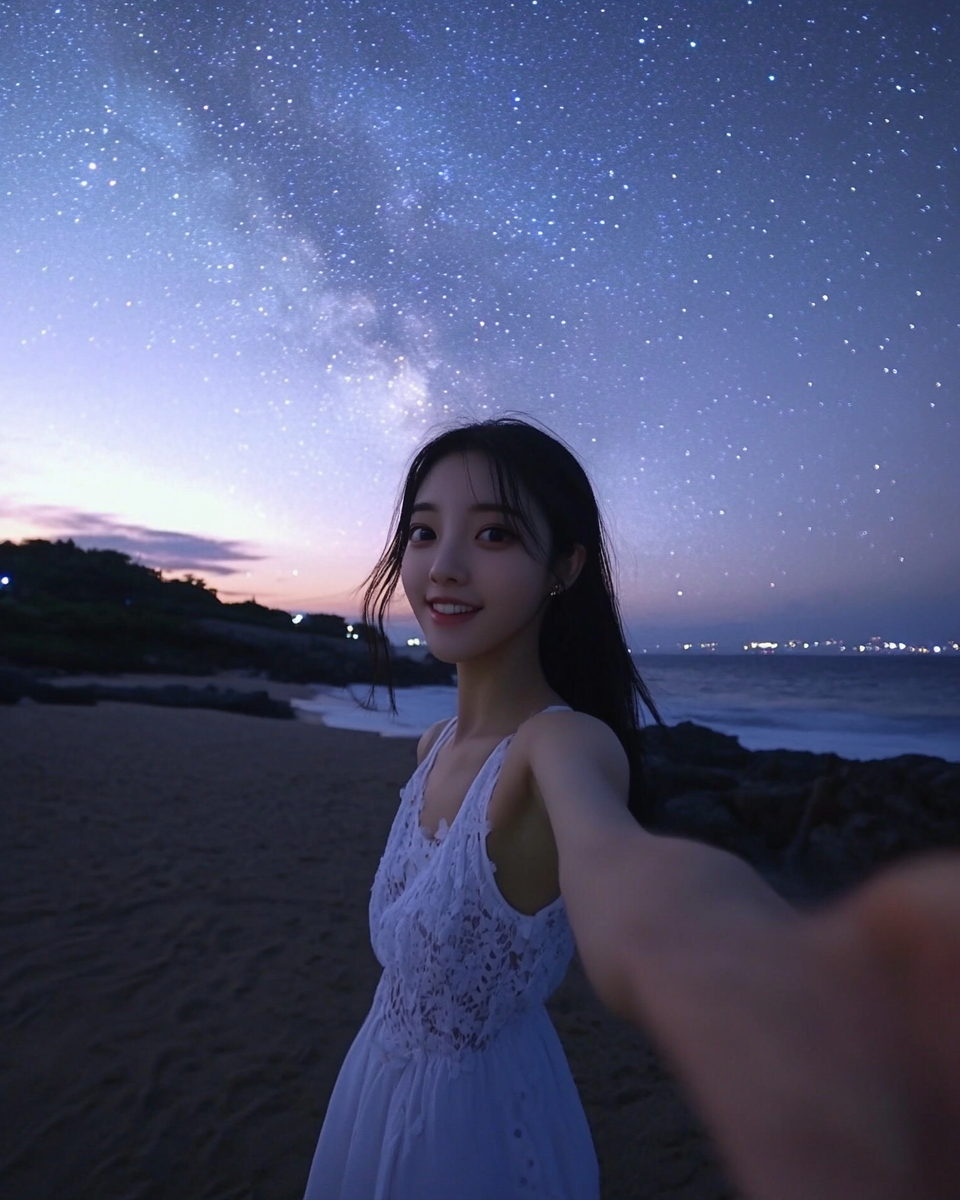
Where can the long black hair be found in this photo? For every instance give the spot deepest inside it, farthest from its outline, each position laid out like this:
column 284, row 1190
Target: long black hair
column 583, row 651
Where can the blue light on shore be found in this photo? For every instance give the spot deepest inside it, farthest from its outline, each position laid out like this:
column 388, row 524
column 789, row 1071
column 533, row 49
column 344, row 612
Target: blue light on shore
column 297, row 618
column 4, row 580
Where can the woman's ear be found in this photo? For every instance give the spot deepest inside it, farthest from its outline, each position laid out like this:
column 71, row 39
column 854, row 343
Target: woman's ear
column 569, row 567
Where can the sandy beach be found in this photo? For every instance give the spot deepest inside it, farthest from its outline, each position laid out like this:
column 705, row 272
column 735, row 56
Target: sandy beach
column 185, row 961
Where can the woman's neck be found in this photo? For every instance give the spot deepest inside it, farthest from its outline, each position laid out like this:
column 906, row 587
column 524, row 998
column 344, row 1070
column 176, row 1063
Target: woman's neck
column 495, row 696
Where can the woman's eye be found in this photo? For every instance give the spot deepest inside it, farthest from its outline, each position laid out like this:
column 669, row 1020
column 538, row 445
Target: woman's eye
column 419, row 533
column 496, row 533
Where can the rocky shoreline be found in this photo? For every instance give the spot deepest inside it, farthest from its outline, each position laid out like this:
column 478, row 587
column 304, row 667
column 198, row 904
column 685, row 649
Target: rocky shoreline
column 812, row 824
column 46, row 688
column 18, row 686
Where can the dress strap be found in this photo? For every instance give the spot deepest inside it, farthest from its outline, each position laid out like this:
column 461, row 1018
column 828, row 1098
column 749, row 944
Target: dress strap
column 437, row 743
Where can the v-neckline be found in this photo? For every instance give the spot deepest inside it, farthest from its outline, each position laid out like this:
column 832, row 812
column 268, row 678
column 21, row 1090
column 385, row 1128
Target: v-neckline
column 435, row 839
column 430, row 761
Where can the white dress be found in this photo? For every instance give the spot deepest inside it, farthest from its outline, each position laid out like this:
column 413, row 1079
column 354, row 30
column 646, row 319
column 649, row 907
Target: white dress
column 456, row 1086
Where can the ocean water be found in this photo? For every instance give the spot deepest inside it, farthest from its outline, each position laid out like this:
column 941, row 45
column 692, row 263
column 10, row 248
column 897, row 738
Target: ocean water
column 863, row 708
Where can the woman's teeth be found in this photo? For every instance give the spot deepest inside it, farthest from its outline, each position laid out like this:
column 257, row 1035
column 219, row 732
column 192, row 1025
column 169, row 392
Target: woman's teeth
column 451, row 609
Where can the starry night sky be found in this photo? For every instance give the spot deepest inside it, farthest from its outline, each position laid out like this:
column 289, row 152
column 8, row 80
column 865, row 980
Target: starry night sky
column 252, row 252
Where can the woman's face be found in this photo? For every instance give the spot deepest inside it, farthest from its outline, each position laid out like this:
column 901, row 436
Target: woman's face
column 472, row 582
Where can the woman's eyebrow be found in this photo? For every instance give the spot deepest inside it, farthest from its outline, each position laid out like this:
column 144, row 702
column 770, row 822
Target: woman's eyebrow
column 505, row 509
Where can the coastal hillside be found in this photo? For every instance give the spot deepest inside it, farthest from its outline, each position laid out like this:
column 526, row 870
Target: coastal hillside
column 63, row 608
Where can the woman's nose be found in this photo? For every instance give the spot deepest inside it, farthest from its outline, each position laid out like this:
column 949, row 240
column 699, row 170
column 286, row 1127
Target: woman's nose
column 447, row 565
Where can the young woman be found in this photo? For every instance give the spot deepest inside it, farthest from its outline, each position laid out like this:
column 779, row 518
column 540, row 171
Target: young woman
column 518, row 838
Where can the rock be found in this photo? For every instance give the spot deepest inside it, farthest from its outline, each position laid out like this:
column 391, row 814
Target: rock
column 826, row 852
column 824, row 805
column 869, row 838
column 773, row 809
column 695, row 745
column 792, row 766
column 813, row 822
column 255, row 704
column 945, row 795
column 700, row 814
column 668, row 779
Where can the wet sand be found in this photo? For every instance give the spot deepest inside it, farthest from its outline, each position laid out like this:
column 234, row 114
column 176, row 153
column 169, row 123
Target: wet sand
column 185, row 959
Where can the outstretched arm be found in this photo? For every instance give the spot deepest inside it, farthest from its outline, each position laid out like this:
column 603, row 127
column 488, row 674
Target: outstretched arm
column 789, row 1048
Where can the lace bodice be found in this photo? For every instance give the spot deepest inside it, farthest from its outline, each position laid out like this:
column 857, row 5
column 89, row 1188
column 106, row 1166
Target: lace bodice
column 459, row 962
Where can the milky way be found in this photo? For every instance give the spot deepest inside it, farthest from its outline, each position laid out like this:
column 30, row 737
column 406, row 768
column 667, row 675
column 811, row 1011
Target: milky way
column 253, row 252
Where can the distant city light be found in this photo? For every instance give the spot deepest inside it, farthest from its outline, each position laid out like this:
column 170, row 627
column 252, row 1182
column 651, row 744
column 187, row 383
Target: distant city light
column 946, row 647
column 297, row 618
column 875, row 645
column 4, row 580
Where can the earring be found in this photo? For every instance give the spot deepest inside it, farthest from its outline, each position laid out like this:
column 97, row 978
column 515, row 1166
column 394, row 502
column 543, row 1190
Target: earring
column 556, row 589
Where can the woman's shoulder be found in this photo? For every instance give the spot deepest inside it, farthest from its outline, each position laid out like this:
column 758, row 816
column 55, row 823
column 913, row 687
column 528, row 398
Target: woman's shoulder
column 566, row 731
column 558, row 724
column 425, row 745
column 578, row 772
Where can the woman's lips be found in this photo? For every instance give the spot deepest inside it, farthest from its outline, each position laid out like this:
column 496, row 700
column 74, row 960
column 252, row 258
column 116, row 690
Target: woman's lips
column 442, row 618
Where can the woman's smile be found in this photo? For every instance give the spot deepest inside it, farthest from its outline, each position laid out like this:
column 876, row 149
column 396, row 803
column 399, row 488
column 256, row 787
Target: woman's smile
column 449, row 614
column 447, row 611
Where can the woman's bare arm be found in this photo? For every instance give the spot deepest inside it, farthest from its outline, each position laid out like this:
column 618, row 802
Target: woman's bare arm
column 782, row 1059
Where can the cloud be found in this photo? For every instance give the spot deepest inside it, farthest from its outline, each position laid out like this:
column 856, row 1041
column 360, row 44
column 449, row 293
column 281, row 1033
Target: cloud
column 165, row 549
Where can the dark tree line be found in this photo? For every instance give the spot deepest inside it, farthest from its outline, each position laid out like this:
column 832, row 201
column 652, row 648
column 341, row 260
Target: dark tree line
column 66, row 608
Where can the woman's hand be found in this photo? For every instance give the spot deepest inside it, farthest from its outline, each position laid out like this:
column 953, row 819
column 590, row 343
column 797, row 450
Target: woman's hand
column 893, row 948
